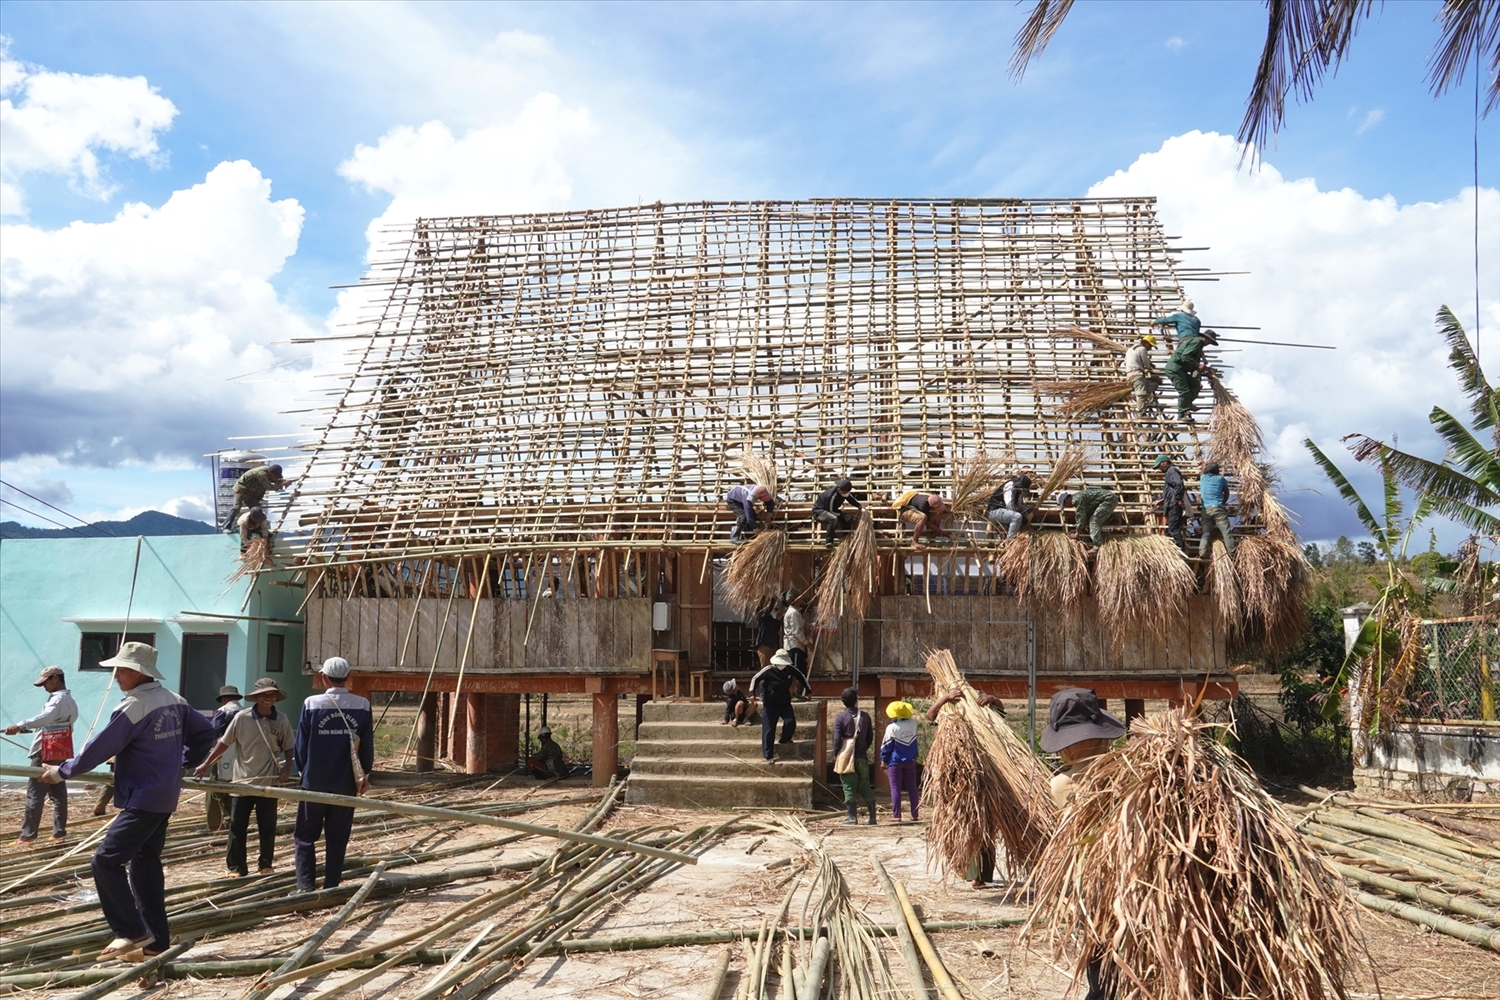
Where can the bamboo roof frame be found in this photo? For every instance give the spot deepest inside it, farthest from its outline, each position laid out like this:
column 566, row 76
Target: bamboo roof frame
column 589, row 379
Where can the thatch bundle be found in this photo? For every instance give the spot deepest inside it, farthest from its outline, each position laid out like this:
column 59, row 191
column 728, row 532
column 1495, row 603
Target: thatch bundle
column 1271, row 576
column 255, row 559
column 1234, row 436
column 848, row 577
column 1224, row 582
column 974, row 479
column 753, row 575
column 982, row 783
column 1050, row 567
column 1064, row 468
column 1142, row 580
column 1176, row 870
column 1083, row 397
column 759, row 468
column 1080, row 333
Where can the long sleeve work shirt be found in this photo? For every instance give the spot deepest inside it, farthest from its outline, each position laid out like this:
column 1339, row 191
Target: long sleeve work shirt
column 1188, row 355
column 152, row 735
column 743, row 497
column 1174, row 490
column 60, row 710
column 855, row 725
column 328, row 721
column 793, row 630
column 832, row 500
column 1138, row 360
column 1187, row 323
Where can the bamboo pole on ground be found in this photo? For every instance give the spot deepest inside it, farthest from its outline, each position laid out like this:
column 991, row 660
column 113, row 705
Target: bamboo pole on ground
column 140, row 971
column 1484, row 937
column 903, row 932
column 322, row 934
column 715, row 982
column 935, row 964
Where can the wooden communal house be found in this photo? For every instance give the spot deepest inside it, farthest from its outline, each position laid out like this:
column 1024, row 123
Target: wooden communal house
column 518, row 485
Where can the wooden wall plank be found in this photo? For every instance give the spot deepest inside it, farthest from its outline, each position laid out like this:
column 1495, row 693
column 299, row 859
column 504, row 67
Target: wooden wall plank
column 387, row 633
column 369, row 633
column 349, row 630
column 482, row 653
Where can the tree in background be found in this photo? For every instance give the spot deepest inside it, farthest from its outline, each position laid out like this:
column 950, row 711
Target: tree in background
column 1306, row 39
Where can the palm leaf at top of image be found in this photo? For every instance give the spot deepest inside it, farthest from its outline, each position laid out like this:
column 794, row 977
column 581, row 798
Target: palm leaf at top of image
column 753, row 575
column 1484, row 402
column 1176, row 870
column 975, row 478
column 1141, row 581
column 1085, row 396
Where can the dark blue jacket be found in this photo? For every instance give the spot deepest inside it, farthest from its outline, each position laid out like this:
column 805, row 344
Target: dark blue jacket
column 323, row 732
column 152, row 736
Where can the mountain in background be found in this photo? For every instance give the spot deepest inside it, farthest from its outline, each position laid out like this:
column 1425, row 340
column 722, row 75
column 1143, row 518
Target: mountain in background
column 151, row 522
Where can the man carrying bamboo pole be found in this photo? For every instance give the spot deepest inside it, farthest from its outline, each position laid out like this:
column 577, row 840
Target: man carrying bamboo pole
column 1173, row 499
column 52, row 744
column 1141, row 374
column 152, row 735
column 828, row 512
column 335, row 752
column 258, row 737
column 742, row 500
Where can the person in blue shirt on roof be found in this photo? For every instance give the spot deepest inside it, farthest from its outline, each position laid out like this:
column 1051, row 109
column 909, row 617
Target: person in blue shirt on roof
column 335, row 730
column 152, row 735
column 1186, row 367
column 1214, row 489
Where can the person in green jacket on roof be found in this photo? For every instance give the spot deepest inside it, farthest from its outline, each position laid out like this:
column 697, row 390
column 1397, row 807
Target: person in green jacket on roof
column 1186, row 366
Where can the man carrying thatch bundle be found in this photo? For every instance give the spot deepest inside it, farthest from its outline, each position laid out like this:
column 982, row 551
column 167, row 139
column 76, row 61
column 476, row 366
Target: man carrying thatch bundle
column 1092, row 507
column 828, row 512
column 1173, row 498
column 1141, row 374
column 250, row 491
column 923, row 511
column 1008, row 506
column 854, row 726
column 774, row 686
column 254, row 525
column 742, row 500
column 1213, row 490
column 981, row 868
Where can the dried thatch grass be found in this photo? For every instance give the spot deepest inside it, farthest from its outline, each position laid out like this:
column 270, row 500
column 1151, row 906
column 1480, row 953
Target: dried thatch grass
column 1097, row 338
column 1224, row 582
column 1176, row 869
column 982, row 783
column 753, row 575
column 1397, row 677
column 1234, row 436
column 1141, row 579
column 1064, row 468
column 848, row 577
column 1081, row 398
column 1049, row 567
column 255, row 559
column 974, row 479
column 1271, row 575
column 759, row 467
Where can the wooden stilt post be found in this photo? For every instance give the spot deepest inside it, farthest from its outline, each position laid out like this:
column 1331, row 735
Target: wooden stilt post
column 503, row 731
column 476, row 760
column 427, row 726
column 606, row 737
column 458, row 725
column 444, row 723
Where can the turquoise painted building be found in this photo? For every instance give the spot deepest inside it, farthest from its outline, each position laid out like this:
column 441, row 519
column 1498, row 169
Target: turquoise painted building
column 64, row 601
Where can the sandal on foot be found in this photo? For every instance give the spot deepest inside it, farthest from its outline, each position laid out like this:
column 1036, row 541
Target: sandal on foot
column 125, row 949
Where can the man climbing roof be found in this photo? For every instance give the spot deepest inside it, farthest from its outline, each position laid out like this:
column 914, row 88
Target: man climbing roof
column 742, row 500
column 828, row 512
column 1141, row 374
column 250, row 491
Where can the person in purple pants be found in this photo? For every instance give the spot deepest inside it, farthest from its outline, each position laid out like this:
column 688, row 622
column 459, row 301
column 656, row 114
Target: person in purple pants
column 898, row 752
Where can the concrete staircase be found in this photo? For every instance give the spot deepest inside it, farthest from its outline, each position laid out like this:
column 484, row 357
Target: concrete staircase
column 685, row 759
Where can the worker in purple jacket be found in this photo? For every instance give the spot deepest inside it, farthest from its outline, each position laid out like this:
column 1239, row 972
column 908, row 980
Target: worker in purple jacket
column 152, row 735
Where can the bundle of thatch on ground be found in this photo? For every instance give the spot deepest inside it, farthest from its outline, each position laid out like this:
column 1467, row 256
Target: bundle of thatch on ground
column 974, row 479
column 1083, row 397
column 1141, row 579
column 982, row 783
column 255, row 559
column 848, row 578
column 753, row 575
column 1080, row 333
column 1064, row 469
column 1050, row 567
column 1176, row 870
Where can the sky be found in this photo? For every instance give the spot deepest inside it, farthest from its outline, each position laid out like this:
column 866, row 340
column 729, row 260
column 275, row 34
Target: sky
column 182, row 185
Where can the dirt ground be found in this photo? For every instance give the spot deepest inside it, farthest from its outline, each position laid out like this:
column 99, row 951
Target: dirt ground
column 730, row 887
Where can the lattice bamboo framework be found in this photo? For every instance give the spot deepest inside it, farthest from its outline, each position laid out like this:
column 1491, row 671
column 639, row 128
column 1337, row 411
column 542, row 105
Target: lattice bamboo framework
column 592, row 378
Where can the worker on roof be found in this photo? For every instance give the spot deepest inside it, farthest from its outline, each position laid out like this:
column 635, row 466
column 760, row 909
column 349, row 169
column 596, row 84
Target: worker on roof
column 250, row 491
column 1141, row 374
column 1009, row 505
column 254, row 524
column 923, row 511
column 335, row 752
column 1173, row 498
column 1091, row 507
column 1186, row 366
column 1214, row 489
column 743, row 500
column 152, row 734
column 828, row 510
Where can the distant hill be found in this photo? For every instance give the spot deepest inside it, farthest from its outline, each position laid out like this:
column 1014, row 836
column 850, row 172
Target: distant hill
column 151, row 522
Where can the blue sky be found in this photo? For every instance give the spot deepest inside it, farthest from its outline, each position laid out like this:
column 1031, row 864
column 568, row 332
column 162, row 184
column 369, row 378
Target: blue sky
column 1355, row 228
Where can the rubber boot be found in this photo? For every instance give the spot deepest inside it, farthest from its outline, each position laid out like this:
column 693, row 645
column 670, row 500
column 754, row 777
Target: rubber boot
column 853, row 817
column 872, row 814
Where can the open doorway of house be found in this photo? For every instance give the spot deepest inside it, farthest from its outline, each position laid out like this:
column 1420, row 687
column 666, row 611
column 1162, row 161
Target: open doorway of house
column 205, row 661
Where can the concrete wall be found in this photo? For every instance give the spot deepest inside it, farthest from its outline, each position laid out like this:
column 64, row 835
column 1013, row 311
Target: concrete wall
column 45, row 581
column 1458, row 762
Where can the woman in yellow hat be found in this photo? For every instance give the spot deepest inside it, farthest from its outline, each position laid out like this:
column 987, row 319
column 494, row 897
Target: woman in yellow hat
column 898, row 752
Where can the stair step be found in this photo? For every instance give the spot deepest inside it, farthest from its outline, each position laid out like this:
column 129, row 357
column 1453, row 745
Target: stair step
column 726, row 749
column 721, row 767
column 749, row 733
column 713, row 711
column 722, row 793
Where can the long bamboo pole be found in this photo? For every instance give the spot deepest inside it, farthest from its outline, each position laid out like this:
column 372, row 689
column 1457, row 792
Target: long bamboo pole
column 322, row 934
column 141, row 971
column 401, row 808
column 903, row 932
column 1484, row 937
column 935, row 964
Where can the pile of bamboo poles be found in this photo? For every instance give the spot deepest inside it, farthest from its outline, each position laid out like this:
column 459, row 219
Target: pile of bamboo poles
column 1422, row 863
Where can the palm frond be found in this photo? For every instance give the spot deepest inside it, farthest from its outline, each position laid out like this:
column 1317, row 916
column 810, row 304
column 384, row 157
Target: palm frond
column 1476, row 461
column 1474, row 518
column 1470, row 27
column 1463, row 360
column 1364, row 644
column 1304, row 40
column 1345, row 488
column 1045, row 18
column 1424, row 475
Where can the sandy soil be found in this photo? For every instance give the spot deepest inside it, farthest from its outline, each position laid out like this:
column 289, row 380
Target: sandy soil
column 732, row 887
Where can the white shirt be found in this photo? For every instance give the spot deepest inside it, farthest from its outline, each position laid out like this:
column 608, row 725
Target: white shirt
column 1138, row 359
column 793, row 629
column 60, row 710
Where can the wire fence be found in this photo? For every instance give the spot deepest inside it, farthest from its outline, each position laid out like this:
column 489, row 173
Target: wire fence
column 1459, row 673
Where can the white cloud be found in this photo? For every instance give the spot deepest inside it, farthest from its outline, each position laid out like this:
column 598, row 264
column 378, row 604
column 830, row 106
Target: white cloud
column 1333, row 267
column 1174, row 43
column 1372, row 118
column 194, row 508
column 55, row 123
column 119, row 336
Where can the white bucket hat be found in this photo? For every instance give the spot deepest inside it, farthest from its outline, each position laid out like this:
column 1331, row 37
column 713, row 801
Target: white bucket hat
column 782, row 658
column 336, row 667
column 135, row 656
